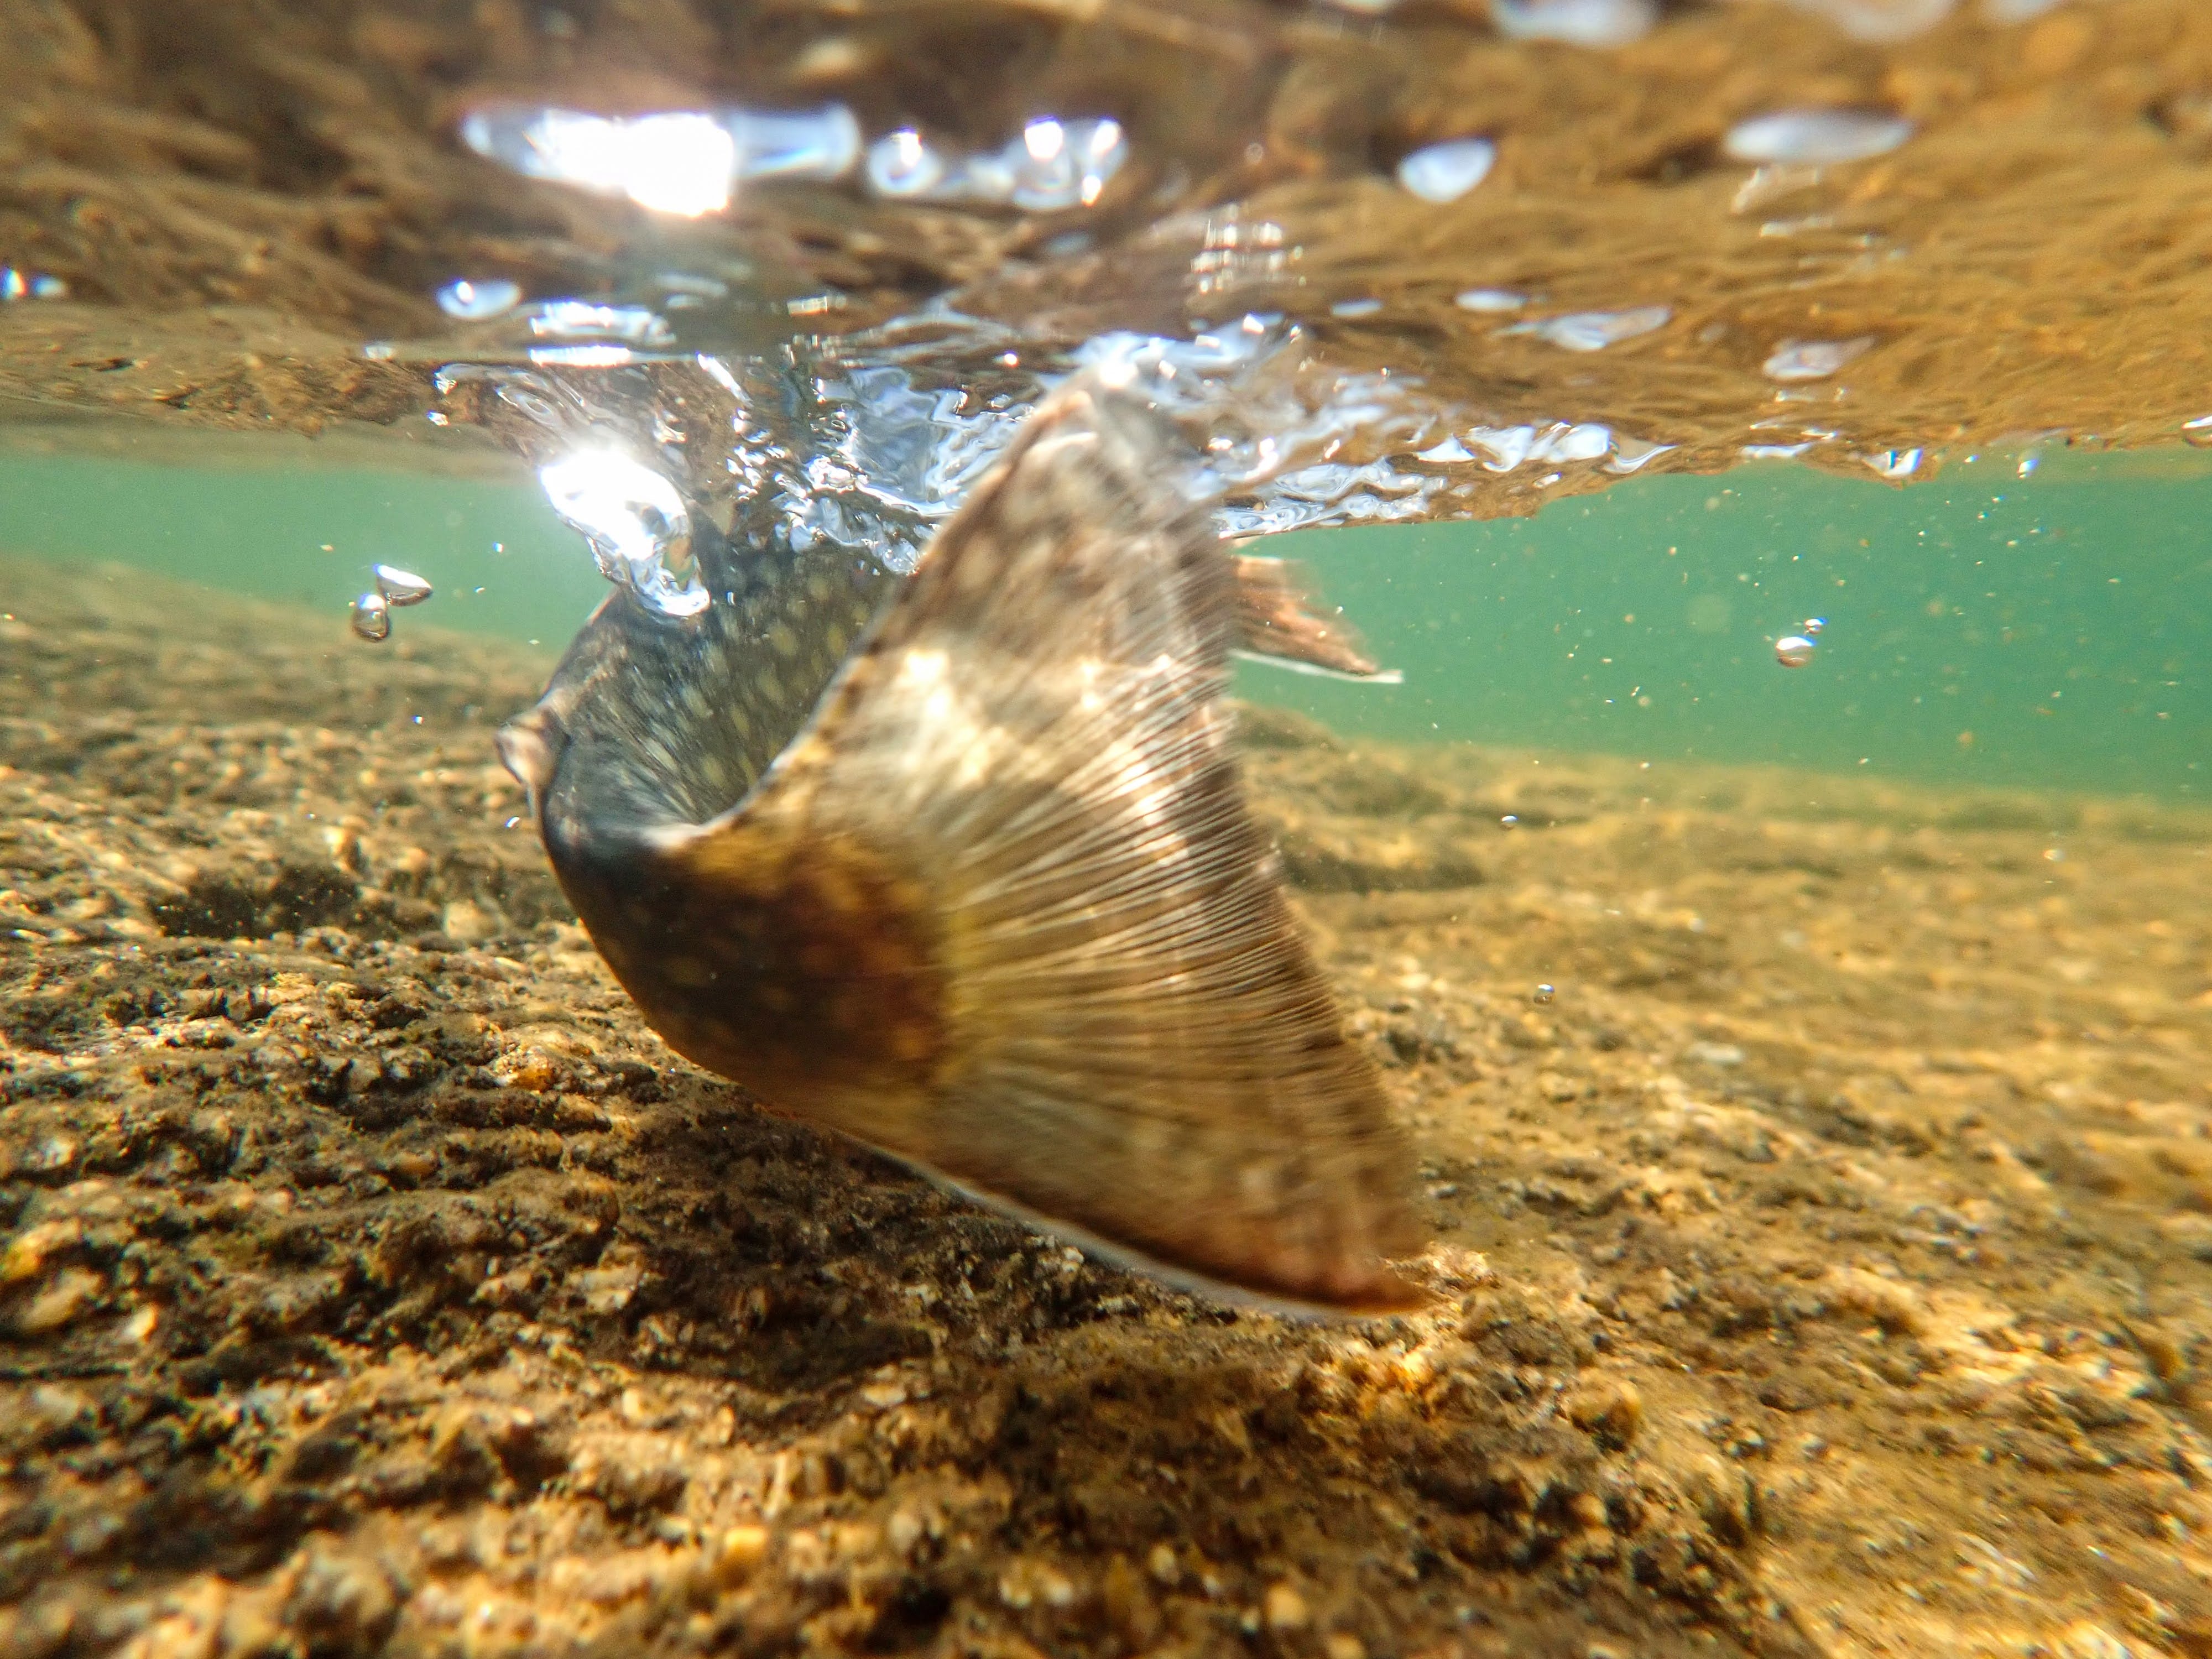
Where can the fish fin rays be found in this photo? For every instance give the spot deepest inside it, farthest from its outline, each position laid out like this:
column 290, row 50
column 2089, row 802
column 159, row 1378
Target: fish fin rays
column 1281, row 619
column 1134, row 1042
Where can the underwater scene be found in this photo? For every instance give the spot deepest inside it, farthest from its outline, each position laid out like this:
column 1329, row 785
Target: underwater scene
column 1369, row 829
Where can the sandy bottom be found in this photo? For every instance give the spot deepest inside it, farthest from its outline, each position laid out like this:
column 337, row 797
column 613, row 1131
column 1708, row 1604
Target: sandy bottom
column 1823, row 1265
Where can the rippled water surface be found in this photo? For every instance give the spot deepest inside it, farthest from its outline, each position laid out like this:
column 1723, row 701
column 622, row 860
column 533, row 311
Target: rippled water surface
column 1759, row 441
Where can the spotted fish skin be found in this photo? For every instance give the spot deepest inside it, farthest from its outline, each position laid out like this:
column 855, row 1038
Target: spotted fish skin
column 992, row 901
column 651, row 720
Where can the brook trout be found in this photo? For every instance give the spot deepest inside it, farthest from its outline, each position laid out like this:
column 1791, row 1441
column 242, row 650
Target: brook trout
column 958, row 865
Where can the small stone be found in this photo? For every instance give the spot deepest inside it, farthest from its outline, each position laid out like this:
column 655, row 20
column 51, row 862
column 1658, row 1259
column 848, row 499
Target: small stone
column 342, row 1603
column 1129, row 1605
column 27, row 1252
column 607, row 1290
column 1343, row 1645
column 39, row 1630
column 467, row 921
column 904, row 1531
column 49, row 1156
column 59, row 1407
column 65, row 1296
column 742, row 1550
column 1284, row 1610
column 1161, row 1562
column 1608, row 1409
column 190, row 1624
column 1026, row 1583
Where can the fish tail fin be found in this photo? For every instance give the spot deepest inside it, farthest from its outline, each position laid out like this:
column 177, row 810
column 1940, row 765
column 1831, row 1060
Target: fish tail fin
column 1001, row 910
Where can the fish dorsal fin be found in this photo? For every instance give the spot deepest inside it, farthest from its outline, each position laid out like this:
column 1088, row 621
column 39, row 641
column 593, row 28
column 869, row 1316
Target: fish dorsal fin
column 1000, row 910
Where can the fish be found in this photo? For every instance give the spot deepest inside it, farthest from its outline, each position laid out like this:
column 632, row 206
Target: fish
column 958, row 865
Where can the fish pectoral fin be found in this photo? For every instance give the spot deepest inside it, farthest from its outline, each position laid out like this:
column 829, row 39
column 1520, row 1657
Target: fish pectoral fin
column 1280, row 617
column 1129, row 1039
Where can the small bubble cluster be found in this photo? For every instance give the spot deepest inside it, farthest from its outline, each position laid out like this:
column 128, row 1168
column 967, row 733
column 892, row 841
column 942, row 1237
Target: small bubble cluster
column 395, row 589
column 1053, row 166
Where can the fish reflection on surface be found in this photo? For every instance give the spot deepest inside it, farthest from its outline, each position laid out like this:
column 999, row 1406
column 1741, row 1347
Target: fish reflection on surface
column 992, row 902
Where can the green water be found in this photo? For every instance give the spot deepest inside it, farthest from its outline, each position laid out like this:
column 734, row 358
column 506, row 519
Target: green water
column 1981, row 628
column 289, row 530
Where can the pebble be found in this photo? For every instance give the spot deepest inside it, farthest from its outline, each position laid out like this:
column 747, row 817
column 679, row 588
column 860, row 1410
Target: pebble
column 1161, row 1562
column 28, row 1251
column 1284, row 1610
column 62, row 1299
column 1607, row 1408
column 742, row 1550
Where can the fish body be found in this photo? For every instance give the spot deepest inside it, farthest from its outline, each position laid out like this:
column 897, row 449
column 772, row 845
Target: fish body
column 958, row 865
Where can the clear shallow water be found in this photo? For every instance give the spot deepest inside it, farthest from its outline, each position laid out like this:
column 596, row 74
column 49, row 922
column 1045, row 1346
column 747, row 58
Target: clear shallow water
column 1812, row 1135
column 291, row 528
column 1983, row 628
column 2041, row 630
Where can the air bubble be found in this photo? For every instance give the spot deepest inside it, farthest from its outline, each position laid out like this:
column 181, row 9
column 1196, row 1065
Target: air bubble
column 1794, row 650
column 401, row 587
column 903, row 163
column 30, row 285
column 477, row 302
column 1880, row 20
column 1053, row 166
column 639, row 530
column 1816, row 137
column 1489, row 299
column 580, row 319
column 1544, row 993
column 684, row 163
column 1813, row 360
column 1812, row 625
column 1593, row 331
column 372, row 617
column 1577, row 22
column 1445, row 172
